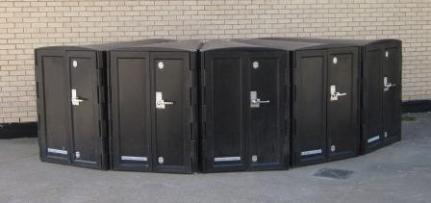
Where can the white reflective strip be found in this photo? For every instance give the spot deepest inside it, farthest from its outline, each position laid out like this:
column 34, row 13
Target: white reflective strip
column 227, row 158
column 57, row 151
column 134, row 158
column 375, row 138
column 311, row 152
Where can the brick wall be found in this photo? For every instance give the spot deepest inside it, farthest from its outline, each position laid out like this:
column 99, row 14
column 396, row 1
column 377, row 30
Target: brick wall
column 27, row 24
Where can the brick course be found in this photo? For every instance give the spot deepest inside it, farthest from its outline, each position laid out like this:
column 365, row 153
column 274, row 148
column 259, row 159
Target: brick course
column 28, row 24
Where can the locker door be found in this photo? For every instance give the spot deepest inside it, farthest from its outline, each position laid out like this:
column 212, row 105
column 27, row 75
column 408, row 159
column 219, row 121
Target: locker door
column 172, row 123
column 342, row 110
column 372, row 85
column 53, row 106
column 130, row 111
column 223, row 108
column 392, row 94
column 309, row 103
column 85, row 109
column 267, row 101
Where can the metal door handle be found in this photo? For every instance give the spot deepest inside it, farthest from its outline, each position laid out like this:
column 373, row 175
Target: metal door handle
column 335, row 94
column 387, row 85
column 255, row 102
column 160, row 103
column 75, row 99
column 258, row 101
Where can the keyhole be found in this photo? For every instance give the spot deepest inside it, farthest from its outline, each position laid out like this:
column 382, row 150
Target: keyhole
column 161, row 65
column 335, row 60
column 255, row 64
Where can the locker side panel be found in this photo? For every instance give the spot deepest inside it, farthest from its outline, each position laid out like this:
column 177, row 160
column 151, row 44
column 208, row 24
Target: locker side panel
column 371, row 110
column 309, row 108
column 342, row 110
column 223, row 99
column 130, row 111
column 54, row 128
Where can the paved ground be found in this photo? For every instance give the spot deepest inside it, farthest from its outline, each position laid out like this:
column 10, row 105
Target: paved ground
column 398, row 173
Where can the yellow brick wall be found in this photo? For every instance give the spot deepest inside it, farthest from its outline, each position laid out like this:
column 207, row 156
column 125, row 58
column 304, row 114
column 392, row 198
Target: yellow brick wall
column 27, row 24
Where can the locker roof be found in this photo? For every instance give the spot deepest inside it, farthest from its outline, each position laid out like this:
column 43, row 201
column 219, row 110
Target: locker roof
column 354, row 42
column 105, row 46
column 230, row 44
column 182, row 45
column 294, row 45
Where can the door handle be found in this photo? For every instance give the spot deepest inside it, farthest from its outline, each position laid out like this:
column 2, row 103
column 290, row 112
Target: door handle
column 255, row 102
column 75, row 99
column 335, row 94
column 160, row 103
column 387, row 85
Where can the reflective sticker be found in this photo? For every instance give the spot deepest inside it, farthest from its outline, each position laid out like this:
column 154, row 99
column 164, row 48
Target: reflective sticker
column 387, row 54
column 227, row 158
column 134, row 158
column 57, row 151
column 335, row 60
column 375, row 138
column 311, row 152
column 75, row 63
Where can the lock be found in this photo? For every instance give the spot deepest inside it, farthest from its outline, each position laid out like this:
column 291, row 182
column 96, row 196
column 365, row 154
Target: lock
column 75, row 99
column 254, row 158
column 386, row 134
column 77, row 155
column 255, row 64
column 161, row 160
column 335, row 94
column 74, row 63
column 335, row 60
column 255, row 102
column 160, row 65
column 332, row 148
column 386, row 84
column 160, row 103
column 387, row 54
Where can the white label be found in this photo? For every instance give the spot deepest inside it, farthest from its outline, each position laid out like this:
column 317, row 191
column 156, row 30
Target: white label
column 75, row 63
column 57, row 151
column 335, row 60
column 255, row 64
column 386, row 134
column 311, row 152
column 77, row 155
column 387, row 54
column 375, row 138
column 161, row 65
column 227, row 158
column 134, row 158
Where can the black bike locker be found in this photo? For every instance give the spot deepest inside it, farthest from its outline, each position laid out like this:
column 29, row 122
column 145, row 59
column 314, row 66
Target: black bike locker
column 153, row 105
column 380, row 90
column 325, row 100
column 71, row 85
column 244, row 107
